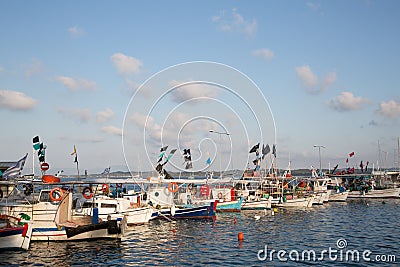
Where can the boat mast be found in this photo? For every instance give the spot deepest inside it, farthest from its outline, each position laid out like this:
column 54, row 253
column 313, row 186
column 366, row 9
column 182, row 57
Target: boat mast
column 398, row 152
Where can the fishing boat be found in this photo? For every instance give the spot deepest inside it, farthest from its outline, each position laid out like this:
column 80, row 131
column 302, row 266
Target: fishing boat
column 117, row 207
column 367, row 186
column 85, row 227
column 171, row 199
column 251, row 189
column 14, row 233
column 50, row 211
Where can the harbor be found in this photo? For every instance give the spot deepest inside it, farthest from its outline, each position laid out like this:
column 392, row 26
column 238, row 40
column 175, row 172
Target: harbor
column 212, row 133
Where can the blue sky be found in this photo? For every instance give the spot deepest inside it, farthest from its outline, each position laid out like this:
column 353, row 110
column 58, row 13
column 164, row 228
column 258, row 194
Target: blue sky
column 327, row 69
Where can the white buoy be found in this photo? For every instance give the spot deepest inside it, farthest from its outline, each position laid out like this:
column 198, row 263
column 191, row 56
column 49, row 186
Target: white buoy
column 257, row 217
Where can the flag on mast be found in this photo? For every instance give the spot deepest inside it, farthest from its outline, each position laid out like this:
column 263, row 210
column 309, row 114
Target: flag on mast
column 15, row 171
column 76, row 154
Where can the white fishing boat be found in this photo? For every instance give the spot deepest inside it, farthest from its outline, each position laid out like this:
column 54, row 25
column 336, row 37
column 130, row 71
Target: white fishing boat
column 338, row 196
column 50, row 218
column 14, row 233
column 375, row 193
column 108, row 207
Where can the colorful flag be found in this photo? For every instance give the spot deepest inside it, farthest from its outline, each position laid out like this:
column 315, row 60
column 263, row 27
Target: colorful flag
column 208, row 161
column 351, row 154
column 254, row 148
column 362, row 166
column 15, row 171
column 347, row 160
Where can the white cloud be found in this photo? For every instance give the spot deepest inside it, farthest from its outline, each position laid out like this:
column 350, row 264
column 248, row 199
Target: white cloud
column 235, row 22
column 191, row 91
column 264, row 53
column 76, row 31
column 346, row 101
column 15, row 101
column 126, row 64
column 76, row 84
column 82, row 115
column 311, row 82
column 112, row 130
column 104, row 115
column 390, row 109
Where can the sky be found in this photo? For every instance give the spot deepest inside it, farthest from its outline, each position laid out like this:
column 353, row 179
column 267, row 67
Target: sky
column 120, row 79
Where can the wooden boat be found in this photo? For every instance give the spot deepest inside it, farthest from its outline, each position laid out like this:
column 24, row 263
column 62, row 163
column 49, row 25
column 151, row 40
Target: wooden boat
column 49, row 211
column 114, row 208
column 14, row 233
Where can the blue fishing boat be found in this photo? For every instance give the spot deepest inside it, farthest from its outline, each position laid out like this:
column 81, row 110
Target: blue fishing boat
column 206, row 211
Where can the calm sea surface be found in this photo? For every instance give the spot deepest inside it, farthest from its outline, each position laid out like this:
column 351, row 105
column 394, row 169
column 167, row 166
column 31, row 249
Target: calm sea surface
column 361, row 225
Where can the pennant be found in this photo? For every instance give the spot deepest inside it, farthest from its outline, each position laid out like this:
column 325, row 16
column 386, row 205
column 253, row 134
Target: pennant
column 161, row 154
column 35, row 139
column 15, row 171
column 254, row 148
column 76, row 158
column 189, row 165
column 334, row 169
column 74, row 152
column 106, row 170
column 36, row 146
column 163, row 148
column 208, row 161
column 362, row 166
column 347, row 160
column 351, row 154
column 274, row 150
column 159, row 168
column 265, row 150
column 173, row 151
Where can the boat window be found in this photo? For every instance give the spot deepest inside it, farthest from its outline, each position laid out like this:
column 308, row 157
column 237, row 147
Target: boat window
column 45, row 196
column 106, row 205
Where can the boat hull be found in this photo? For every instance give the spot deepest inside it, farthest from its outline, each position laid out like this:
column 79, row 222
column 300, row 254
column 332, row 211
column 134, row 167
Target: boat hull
column 377, row 193
column 256, row 205
column 230, row 206
column 200, row 212
column 338, row 197
column 16, row 237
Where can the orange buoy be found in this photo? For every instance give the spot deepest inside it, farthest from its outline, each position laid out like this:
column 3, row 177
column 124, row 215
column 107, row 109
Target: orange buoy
column 173, row 187
column 240, row 236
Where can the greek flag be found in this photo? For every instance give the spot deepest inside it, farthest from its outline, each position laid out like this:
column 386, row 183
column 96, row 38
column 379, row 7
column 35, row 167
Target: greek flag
column 106, row 170
column 15, row 171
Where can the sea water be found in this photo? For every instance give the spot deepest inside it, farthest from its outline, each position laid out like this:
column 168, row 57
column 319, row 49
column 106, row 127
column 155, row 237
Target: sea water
column 332, row 234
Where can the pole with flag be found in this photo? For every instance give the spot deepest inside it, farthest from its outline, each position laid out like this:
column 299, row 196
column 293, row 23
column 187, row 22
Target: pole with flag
column 15, row 171
column 76, row 160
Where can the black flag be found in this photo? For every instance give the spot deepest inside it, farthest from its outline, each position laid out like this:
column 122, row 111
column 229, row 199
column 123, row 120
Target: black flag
column 254, row 149
column 274, row 150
